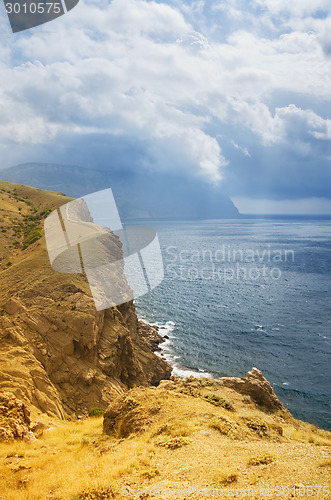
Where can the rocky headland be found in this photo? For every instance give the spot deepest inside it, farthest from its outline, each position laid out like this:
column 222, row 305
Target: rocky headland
column 89, row 411
column 57, row 352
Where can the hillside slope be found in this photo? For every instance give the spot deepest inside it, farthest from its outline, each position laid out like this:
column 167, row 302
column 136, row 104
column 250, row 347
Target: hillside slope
column 196, row 434
column 56, row 351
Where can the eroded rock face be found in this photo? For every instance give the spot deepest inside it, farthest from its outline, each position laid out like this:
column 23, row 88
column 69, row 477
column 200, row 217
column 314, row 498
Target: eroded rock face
column 14, row 418
column 257, row 387
column 56, row 351
column 71, row 357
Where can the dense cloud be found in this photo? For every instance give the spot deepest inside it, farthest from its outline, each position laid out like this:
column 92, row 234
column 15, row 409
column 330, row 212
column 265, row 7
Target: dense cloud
column 232, row 91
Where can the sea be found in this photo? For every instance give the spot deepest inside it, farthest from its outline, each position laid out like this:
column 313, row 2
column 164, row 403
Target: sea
column 249, row 292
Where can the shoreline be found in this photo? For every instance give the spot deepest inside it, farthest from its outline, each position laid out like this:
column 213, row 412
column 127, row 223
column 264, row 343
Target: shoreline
column 163, row 349
column 161, row 346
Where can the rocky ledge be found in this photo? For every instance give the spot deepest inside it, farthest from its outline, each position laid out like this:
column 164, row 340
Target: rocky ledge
column 65, row 358
column 57, row 352
column 257, row 387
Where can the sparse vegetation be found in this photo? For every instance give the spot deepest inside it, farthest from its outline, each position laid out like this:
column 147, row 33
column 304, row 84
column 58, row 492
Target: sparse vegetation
column 75, row 460
column 45, row 213
column 217, row 400
column 172, row 443
column 226, row 427
column 101, row 493
column 230, row 479
column 96, row 412
column 26, row 227
column 150, row 473
column 262, row 459
column 33, row 236
column 174, row 429
column 257, row 425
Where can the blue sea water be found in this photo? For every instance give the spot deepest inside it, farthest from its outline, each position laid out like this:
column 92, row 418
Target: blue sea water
column 249, row 292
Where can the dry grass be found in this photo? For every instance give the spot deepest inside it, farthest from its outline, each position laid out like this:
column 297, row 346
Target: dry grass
column 181, row 446
column 227, row 427
column 172, row 443
column 262, row 459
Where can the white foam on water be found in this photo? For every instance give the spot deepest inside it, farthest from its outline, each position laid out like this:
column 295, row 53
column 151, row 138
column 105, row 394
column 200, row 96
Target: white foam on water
column 185, row 372
column 165, row 352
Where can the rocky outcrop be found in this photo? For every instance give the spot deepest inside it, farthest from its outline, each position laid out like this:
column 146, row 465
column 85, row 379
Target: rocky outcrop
column 14, row 418
column 257, row 387
column 136, row 410
column 72, row 358
column 129, row 414
column 57, row 352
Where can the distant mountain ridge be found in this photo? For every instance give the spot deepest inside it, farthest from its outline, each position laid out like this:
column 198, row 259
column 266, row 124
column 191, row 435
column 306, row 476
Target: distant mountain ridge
column 139, row 195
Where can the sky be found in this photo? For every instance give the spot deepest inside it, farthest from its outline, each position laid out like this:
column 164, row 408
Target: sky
column 235, row 92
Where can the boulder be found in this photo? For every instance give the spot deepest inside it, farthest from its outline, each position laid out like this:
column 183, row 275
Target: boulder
column 257, row 387
column 14, row 418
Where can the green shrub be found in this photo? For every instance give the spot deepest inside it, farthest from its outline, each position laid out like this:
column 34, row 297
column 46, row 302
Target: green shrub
column 46, row 212
column 96, row 412
column 217, row 400
column 33, row 236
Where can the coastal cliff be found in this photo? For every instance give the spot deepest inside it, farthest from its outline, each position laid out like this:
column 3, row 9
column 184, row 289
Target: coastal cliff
column 57, row 352
column 88, row 411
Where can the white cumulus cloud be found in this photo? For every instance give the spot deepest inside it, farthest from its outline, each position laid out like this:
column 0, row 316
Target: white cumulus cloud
column 163, row 74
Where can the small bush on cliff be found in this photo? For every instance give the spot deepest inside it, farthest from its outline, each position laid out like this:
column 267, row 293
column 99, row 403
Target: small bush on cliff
column 33, row 236
column 188, row 390
column 230, row 479
column 172, row 443
column 226, row 427
column 262, row 459
column 96, row 412
column 217, row 400
column 257, row 425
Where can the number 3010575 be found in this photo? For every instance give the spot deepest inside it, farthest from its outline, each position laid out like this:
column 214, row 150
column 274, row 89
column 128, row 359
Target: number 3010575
column 300, row 491
column 34, row 8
